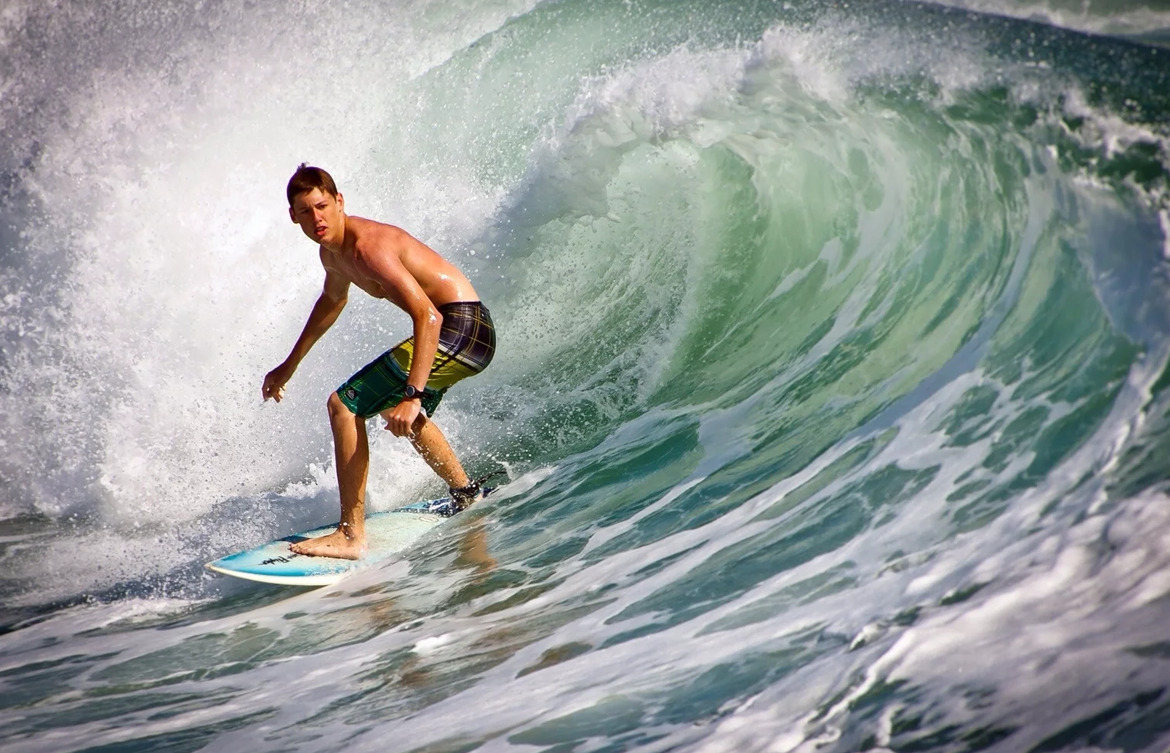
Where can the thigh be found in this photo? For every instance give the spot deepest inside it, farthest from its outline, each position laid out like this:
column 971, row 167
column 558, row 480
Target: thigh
column 375, row 387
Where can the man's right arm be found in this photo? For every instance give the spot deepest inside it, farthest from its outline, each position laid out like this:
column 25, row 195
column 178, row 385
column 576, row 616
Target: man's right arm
column 325, row 312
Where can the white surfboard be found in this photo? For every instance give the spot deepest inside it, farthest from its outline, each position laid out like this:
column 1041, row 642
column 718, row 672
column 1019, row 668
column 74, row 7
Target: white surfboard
column 387, row 533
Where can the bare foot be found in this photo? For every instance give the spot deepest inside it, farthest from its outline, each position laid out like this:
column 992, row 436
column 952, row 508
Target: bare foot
column 335, row 544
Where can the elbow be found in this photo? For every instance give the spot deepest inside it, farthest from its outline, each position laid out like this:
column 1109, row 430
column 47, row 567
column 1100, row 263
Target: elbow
column 429, row 319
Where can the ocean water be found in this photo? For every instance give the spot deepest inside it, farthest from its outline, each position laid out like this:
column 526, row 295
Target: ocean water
column 832, row 384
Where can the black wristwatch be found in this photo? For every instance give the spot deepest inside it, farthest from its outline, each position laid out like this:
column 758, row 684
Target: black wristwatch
column 411, row 392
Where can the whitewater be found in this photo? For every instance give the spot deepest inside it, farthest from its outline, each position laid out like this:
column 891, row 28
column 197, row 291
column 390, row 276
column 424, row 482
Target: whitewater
column 831, row 393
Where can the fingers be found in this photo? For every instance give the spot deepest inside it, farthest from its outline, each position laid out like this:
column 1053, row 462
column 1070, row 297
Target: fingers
column 401, row 421
column 274, row 381
column 399, row 427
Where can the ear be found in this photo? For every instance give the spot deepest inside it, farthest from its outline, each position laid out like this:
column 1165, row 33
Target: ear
column 292, row 216
column 341, row 201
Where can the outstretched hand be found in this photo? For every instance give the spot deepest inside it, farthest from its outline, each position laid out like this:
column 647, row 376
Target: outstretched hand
column 274, row 382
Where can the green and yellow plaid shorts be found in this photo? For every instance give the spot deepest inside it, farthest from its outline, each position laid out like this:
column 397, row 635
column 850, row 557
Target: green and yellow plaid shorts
column 467, row 342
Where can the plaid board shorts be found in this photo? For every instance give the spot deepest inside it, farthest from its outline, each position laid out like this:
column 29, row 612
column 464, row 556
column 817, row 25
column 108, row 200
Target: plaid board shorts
column 467, row 342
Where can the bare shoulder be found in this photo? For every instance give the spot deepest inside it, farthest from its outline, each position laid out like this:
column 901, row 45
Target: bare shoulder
column 372, row 230
column 371, row 237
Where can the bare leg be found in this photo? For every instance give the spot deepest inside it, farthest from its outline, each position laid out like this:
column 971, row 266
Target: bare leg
column 352, row 455
column 433, row 446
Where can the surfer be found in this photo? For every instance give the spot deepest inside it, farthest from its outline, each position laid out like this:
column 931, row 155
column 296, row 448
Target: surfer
column 453, row 339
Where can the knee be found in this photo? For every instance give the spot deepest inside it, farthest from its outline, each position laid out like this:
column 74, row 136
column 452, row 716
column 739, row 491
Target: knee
column 337, row 409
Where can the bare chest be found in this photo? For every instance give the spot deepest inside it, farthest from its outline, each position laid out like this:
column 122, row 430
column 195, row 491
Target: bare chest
column 346, row 267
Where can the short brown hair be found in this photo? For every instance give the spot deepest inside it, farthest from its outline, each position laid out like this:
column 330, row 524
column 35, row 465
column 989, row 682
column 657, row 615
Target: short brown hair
column 306, row 178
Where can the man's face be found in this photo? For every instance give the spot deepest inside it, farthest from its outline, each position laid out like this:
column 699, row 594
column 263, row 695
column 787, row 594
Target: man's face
column 320, row 215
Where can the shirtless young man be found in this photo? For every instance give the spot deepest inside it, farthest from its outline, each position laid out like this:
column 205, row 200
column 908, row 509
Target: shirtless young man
column 453, row 338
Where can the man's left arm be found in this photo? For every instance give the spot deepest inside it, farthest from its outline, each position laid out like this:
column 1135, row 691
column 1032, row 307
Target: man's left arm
column 382, row 265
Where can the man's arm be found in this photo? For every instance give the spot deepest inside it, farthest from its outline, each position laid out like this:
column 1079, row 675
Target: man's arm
column 325, row 312
column 381, row 263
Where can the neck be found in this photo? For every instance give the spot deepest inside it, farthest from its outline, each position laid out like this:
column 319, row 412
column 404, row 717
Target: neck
column 340, row 244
